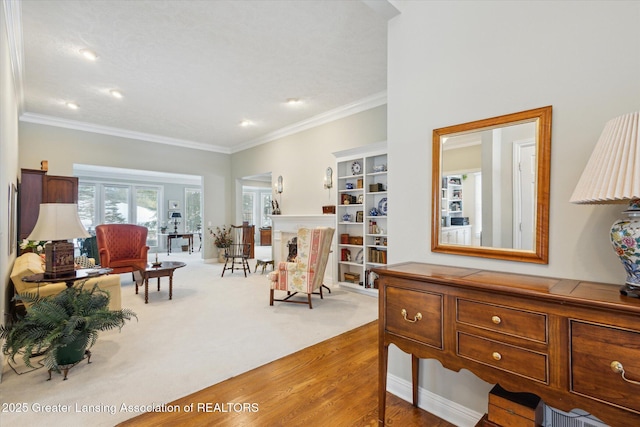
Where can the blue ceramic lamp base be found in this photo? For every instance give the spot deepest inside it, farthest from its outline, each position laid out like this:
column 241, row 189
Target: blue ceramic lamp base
column 625, row 238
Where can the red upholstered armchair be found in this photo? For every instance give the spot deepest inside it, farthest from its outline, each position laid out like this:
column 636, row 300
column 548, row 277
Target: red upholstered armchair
column 122, row 247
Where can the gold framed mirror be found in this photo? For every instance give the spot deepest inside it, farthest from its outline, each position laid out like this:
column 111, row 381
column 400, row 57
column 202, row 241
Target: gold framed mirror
column 490, row 187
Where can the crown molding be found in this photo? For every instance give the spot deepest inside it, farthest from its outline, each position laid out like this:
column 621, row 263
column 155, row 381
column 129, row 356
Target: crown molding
column 364, row 104
column 13, row 13
column 123, row 133
column 327, row 117
column 89, row 172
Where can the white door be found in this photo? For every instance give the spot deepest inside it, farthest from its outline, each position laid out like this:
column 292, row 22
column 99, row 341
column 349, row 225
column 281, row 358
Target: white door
column 524, row 196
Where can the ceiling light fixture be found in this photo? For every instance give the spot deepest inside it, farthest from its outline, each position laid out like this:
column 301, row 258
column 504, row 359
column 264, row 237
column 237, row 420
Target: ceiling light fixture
column 294, row 101
column 116, row 93
column 246, row 123
column 72, row 105
column 89, row 54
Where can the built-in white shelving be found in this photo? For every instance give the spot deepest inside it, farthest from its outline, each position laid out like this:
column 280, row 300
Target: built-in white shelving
column 361, row 215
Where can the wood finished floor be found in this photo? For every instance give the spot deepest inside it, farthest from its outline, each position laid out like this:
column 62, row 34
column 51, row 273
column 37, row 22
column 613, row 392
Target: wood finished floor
column 333, row 383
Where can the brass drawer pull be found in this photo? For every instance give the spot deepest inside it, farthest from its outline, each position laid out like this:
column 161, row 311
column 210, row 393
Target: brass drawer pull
column 496, row 319
column 496, row 355
column 415, row 319
column 619, row 369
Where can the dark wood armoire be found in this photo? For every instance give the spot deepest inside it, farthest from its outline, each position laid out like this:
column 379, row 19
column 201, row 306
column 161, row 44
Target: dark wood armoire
column 37, row 187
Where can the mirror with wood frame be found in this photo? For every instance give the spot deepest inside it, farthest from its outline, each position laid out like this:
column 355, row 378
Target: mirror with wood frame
column 490, row 188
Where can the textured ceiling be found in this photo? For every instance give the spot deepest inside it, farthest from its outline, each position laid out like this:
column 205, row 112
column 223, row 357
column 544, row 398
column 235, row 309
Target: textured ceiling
column 191, row 71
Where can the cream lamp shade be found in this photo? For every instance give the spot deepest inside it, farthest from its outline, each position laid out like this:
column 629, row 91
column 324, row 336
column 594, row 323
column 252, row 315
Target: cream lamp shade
column 612, row 175
column 58, row 222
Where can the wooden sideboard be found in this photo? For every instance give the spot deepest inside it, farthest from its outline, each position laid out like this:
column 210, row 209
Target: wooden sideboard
column 575, row 344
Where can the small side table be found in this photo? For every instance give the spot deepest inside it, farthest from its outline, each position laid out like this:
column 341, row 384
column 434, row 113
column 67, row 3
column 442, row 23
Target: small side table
column 188, row 236
column 163, row 269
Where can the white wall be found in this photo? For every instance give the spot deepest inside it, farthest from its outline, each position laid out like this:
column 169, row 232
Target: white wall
column 8, row 160
column 452, row 62
column 302, row 158
column 64, row 147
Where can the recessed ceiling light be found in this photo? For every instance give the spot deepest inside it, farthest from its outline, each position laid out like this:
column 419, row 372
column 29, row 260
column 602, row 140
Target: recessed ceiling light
column 294, row 101
column 72, row 105
column 89, row 54
column 116, row 93
column 246, row 123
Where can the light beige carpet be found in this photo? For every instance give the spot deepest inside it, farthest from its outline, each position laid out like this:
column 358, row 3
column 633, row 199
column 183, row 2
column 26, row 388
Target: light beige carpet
column 213, row 329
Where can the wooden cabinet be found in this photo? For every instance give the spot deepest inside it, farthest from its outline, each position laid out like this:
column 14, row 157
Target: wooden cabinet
column 60, row 189
column 575, row 344
column 37, row 187
column 29, row 199
column 248, row 233
column 265, row 236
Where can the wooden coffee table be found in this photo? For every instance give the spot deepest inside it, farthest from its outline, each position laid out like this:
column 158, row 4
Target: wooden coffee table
column 164, row 269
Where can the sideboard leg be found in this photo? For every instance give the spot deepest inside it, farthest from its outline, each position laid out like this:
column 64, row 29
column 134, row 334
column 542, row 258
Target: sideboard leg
column 382, row 382
column 415, row 368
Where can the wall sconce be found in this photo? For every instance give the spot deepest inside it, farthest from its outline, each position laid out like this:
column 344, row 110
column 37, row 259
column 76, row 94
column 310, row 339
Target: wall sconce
column 612, row 175
column 328, row 183
column 275, row 205
column 279, row 185
column 328, row 178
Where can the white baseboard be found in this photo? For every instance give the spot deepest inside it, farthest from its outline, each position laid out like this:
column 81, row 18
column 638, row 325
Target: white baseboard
column 437, row 405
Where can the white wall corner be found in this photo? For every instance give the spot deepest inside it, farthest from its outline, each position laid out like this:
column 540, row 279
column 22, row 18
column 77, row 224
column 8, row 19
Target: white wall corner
column 437, row 405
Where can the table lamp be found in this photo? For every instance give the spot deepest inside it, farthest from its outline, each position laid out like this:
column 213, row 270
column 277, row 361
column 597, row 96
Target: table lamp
column 174, row 217
column 57, row 223
column 612, row 175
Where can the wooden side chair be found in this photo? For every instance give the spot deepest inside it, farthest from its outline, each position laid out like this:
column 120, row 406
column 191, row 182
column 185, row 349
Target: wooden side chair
column 236, row 256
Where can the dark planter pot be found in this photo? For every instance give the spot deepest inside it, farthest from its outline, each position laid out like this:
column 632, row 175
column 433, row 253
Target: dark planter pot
column 73, row 352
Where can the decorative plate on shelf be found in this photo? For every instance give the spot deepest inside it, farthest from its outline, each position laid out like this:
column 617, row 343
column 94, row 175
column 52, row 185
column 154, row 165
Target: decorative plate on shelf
column 356, row 168
column 360, row 256
column 382, row 206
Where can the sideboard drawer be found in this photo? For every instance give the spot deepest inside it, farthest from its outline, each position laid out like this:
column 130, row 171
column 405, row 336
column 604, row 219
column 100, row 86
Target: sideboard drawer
column 516, row 322
column 413, row 314
column 506, row 357
column 593, row 349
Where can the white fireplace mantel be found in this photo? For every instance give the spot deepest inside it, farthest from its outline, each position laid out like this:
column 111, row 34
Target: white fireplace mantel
column 286, row 226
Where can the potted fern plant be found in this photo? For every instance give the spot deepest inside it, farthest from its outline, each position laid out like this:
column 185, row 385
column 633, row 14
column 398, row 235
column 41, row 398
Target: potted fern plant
column 61, row 327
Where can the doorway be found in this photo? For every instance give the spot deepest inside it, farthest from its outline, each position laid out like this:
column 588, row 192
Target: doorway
column 255, row 206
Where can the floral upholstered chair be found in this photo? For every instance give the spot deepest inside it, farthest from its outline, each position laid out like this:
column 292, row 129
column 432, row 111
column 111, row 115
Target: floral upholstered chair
column 306, row 273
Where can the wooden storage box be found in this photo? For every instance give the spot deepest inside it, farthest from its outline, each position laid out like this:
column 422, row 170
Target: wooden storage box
column 376, row 187
column 515, row 409
column 355, row 240
column 329, row 209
